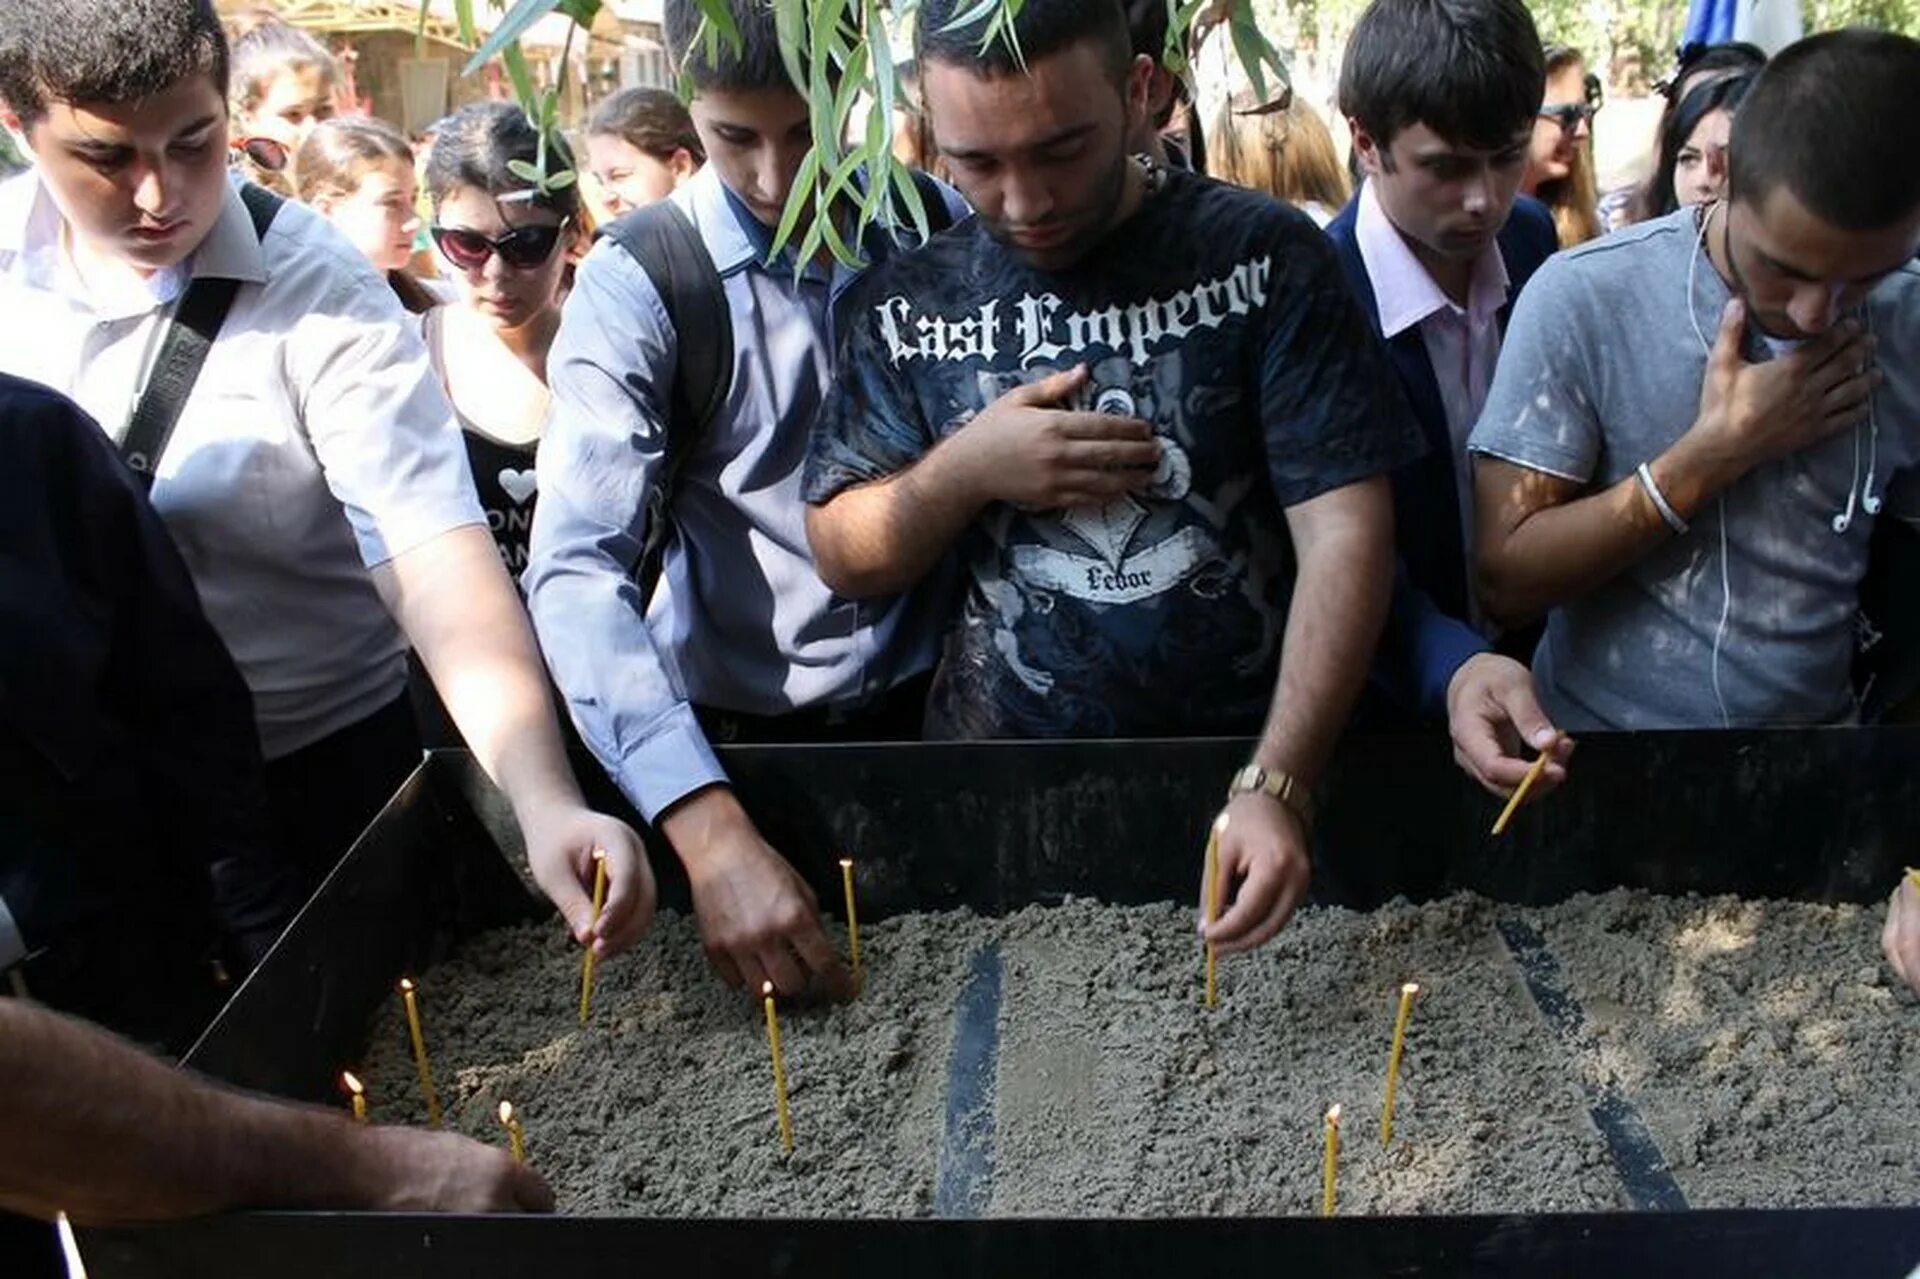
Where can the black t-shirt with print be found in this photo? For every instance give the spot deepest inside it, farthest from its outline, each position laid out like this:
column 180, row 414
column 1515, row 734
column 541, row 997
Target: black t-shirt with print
column 1217, row 315
column 503, row 479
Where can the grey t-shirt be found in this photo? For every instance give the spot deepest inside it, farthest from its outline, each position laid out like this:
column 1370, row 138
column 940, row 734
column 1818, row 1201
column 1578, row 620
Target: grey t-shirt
column 1601, row 371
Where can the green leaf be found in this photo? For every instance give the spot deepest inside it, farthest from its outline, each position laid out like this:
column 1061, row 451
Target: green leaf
column 790, row 28
column 520, row 77
column 798, row 200
column 718, row 18
column 523, row 15
column 909, row 192
column 967, row 17
column 1255, row 52
column 562, row 180
column 524, row 170
column 463, row 17
column 583, row 12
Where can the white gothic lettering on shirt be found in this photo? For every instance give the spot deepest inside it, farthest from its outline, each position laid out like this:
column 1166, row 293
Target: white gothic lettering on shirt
column 1044, row 331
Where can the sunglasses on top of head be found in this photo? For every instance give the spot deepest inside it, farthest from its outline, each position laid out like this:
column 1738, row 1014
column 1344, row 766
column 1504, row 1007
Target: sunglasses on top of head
column 523, row 247
column 265, row 153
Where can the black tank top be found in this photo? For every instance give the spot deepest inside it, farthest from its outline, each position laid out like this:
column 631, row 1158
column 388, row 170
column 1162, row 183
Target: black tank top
column 503, row 477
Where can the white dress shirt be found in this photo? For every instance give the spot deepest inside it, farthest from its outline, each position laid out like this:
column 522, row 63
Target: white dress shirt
column 316, row 444
column 1463, row 343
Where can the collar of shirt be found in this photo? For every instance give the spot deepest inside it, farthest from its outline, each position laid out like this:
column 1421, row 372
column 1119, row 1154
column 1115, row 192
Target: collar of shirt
column 738, row 240
column 32, row 245
column 1405, row 293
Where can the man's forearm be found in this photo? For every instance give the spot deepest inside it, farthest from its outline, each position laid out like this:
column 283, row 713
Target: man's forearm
column 1528, row 564
column 459, row 608
column 883, row 537
column 1341, row 593
column 103, row 1132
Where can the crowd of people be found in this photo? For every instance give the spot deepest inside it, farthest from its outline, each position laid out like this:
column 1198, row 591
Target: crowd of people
column 1122, row 450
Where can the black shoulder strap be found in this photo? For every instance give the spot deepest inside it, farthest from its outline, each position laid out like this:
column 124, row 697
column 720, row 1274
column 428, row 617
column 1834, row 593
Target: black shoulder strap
column 663, row 240
column 203, row 309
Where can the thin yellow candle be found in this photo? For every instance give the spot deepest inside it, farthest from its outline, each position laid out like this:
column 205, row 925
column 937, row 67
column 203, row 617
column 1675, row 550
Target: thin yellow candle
column 420, row 1053
column 516, row 1136
column 853, row 917
column 1407, row 994
column 1213, row 898
column 357, row 1092
column 1330, row 1166
column 1521, row 791
column 779, row 1069
column 599, row 904
column 1913, row 877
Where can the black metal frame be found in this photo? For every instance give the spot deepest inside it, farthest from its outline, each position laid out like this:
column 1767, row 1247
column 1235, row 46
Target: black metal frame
column 1819, row 815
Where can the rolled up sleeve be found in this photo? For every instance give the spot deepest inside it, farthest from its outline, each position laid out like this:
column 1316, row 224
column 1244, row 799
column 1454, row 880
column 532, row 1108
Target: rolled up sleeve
column 611, row 375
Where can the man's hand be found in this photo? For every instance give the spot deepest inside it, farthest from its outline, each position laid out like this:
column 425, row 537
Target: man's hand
column 1900, row 939
column 1025, row 450
column 1754, row 413
column 759, row 921
column 561, row 839
column 1493, row 716
column 419, row 1171
column 1264, row 871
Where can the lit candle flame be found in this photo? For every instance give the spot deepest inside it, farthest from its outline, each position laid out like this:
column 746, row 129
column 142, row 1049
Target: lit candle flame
column 1333, row 1115
column 506, row 1113
column 352, row 1082
column 406, row 985
column 1411, row 988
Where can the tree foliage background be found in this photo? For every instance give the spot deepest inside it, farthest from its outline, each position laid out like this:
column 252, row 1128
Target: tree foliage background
column 1631, row 42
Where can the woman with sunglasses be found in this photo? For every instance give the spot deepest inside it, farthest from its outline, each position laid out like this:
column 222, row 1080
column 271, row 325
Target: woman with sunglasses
column 1560, row 166
column 505, row 248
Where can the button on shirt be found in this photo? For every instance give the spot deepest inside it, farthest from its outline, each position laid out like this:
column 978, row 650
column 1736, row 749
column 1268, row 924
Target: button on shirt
column 316, row 443
column 740, row 620
column 1462, row 343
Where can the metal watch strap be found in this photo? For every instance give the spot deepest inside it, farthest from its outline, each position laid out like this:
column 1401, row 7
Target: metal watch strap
column 1279, row 784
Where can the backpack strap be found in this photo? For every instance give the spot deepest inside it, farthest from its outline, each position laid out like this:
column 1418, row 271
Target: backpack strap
column 184, row 350
column 664, row 241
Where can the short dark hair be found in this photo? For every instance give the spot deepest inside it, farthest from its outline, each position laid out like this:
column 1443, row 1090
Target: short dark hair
column 1044, row 27
column 1832, row 120
column 104, row 51
column 476, row 144
column 649, row 120
column 1472, row 71
column 756, row 64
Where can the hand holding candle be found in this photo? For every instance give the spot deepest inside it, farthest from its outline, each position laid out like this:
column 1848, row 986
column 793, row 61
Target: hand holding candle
column 599, row 905
column 420, row 1053
column 779, row 1069
column 1407, row 993
column 1525, row 787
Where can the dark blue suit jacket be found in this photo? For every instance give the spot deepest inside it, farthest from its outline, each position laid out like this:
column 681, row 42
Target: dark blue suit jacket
column 1426, row 639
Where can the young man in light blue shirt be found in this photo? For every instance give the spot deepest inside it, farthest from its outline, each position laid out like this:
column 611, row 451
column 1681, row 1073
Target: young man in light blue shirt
column 739, row 629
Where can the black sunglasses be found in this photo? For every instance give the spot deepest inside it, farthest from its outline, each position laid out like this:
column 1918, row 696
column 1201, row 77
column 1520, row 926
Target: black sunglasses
column 1568, row 115
column 523, row 247
column 264, row 152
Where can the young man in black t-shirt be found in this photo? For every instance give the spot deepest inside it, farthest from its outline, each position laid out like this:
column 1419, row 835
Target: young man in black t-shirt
column 1146, row 412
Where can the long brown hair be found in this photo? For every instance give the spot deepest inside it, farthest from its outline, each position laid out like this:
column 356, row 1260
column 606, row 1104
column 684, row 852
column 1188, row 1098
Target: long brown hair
column 1574, row 199
column 1287, row 154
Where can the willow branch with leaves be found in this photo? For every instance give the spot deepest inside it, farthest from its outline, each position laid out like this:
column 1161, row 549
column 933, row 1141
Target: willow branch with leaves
column 838, row 53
